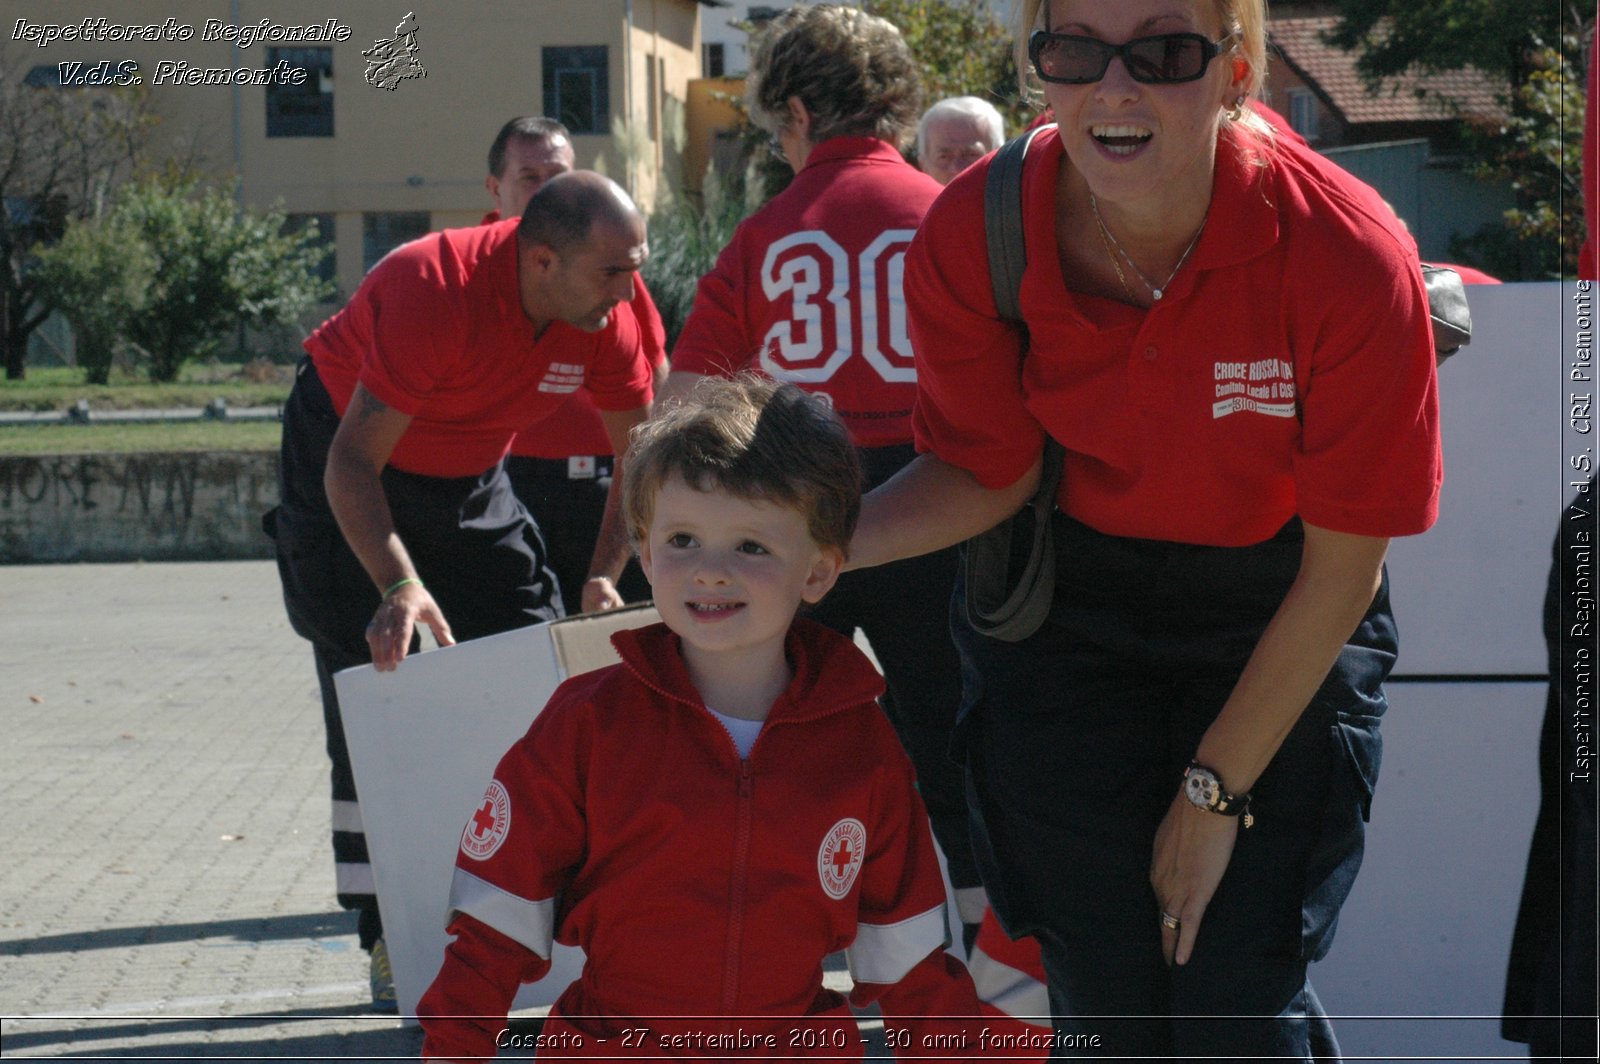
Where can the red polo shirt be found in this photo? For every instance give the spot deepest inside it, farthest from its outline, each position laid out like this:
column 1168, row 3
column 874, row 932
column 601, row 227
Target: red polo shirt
column 809, row 290
column 1469, row 274
column 1180, row 423
column 437, row 331
column 576, row 429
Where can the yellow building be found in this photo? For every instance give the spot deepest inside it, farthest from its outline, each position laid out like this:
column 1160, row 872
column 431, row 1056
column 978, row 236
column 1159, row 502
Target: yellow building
column 375, row 116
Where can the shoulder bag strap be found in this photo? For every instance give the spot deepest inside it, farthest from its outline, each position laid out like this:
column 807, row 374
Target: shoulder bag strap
column 997, row 607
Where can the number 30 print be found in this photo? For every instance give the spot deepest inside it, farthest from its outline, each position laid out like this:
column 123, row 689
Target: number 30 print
column 816, row 339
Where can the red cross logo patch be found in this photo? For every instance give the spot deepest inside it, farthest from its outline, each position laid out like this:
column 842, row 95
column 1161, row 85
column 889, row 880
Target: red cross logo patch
column 489, row 825
column 844, row 847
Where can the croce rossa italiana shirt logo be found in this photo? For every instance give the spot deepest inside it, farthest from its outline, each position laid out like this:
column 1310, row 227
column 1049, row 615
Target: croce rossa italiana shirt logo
column 839, row 860
column 1265, row 386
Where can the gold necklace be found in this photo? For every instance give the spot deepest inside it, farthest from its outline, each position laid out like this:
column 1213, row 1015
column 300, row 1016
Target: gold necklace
column 1110, row 240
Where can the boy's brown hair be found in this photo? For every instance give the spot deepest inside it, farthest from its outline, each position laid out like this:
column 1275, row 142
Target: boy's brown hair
column 755, row 438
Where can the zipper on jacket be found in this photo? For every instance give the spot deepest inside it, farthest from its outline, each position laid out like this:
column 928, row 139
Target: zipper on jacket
column 743, row 815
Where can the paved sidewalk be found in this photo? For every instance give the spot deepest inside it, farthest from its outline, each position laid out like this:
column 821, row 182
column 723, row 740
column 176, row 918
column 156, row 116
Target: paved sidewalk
column 166, row 888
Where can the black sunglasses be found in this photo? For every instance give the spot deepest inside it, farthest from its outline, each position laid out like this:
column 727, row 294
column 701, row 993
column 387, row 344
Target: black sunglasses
column 1164, row 59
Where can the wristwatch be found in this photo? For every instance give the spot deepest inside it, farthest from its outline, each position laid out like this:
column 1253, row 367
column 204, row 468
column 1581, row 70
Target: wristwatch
column 1205, row 791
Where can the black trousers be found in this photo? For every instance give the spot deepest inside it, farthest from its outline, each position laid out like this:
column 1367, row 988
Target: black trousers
column 473, row 544
column 902, row 608
column 569, row 510
column 1076, row 740
column 1551, row 996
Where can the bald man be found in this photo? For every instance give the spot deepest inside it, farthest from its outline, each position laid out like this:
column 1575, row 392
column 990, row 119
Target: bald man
column 395, row 509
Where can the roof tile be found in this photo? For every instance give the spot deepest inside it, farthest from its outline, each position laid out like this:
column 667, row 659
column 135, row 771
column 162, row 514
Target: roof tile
column 1408, row 97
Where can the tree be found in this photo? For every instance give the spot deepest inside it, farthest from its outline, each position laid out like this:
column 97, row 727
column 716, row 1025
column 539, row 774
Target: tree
column 99, row 276
column 217, row 267
column 686, row 235
column 174, row 271
column 1536, row 151
column 62, row 151
column 1533, row 49
column 962, row 50
column 1495, row 36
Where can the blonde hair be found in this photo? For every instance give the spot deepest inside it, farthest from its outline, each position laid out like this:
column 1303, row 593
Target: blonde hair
column 1245, row 21
column 853, row 71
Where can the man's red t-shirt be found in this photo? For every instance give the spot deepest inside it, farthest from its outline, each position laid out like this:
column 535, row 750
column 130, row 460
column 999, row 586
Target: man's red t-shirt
column 437, row 331
column 576, row 429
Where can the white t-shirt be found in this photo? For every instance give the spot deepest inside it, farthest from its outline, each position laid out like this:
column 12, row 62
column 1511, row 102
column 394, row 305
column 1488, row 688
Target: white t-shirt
column 743, row 731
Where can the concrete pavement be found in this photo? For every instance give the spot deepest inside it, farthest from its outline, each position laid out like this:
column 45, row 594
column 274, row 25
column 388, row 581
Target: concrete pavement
column 166, row 888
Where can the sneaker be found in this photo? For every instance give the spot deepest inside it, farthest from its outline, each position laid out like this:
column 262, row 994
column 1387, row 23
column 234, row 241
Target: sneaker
column 381, row 977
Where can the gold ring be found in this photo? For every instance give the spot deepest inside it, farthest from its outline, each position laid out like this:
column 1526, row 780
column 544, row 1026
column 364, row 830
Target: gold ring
column 1169, row 921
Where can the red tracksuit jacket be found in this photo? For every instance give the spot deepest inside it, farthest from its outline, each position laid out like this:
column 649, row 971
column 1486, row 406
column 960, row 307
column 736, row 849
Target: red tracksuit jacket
column 706, row 889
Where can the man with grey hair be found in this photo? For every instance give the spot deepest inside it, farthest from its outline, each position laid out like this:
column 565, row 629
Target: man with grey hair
column 395, row 508
column 955, row 133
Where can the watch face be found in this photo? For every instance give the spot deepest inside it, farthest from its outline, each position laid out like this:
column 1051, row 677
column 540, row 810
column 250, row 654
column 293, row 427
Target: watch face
column 1201, row 788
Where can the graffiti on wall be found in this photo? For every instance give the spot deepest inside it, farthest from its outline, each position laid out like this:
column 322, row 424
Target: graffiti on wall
column 106, row 507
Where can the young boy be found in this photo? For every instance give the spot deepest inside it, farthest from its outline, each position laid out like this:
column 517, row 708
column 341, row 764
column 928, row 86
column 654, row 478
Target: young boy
column 715, row 815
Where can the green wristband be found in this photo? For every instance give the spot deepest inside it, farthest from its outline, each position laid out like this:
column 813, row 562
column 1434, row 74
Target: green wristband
column 402, row 582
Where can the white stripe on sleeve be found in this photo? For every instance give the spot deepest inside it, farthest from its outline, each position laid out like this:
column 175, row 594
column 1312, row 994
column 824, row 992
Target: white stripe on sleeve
column 884, row 953
column 531, row 923
column 1015, row 993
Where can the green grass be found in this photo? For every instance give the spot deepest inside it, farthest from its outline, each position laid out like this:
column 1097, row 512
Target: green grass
column 140, row 439
column 59, row 388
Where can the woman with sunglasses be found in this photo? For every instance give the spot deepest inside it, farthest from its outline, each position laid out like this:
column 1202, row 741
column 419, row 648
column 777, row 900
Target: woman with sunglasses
column 1230, row 338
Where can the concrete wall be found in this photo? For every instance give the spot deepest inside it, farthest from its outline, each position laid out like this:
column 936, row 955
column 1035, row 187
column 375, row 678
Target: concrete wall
column 100, row 508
